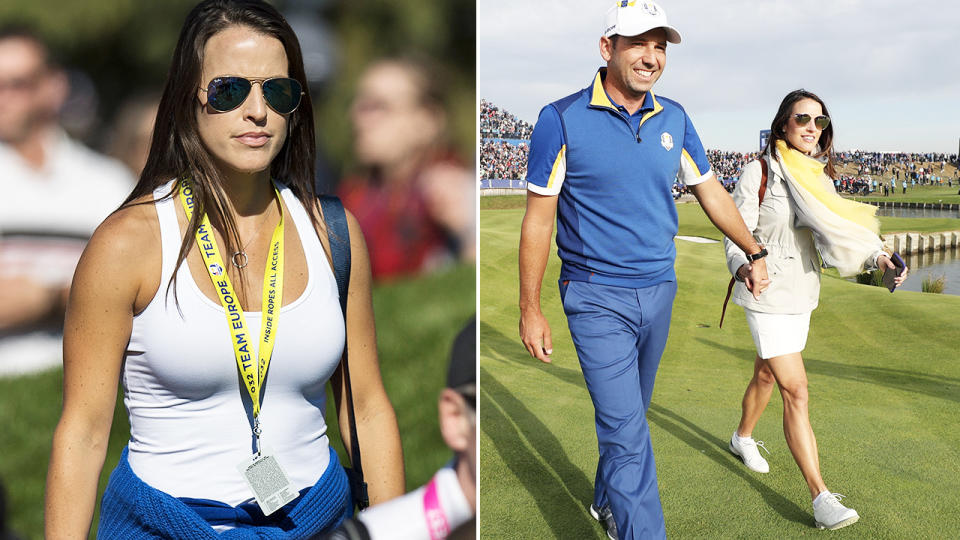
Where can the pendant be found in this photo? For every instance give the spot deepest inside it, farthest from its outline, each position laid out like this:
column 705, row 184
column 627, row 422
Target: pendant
column 242, row 256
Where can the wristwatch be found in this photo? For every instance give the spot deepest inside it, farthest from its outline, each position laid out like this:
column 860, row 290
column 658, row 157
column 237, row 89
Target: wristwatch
column 758, row 255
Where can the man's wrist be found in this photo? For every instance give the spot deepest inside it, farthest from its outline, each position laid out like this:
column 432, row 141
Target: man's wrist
column 529, row 307
column 757, row 254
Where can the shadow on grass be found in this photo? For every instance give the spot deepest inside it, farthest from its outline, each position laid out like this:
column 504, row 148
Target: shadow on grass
column 936, row 386
column 537, row 478
column 716, row 449
column 537, row 459
column 496, row 346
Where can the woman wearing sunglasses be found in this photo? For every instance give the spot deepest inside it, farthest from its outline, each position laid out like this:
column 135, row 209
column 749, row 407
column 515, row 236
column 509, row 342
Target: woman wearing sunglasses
column 210, row 295
column 787, row 198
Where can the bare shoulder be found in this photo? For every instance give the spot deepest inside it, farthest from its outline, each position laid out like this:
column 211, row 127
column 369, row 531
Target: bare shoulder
column 356, row 234
column 132, row 230
column 124, row 251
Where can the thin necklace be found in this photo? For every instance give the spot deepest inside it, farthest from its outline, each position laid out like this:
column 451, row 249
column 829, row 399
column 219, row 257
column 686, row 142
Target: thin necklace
column 242, row 254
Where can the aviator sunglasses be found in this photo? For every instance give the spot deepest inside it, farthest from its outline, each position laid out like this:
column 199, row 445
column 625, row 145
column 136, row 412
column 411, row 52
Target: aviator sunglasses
column 282, row 94
column 821, row 121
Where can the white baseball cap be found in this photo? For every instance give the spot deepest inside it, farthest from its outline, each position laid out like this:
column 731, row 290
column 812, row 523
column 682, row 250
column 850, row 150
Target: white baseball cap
column 634, row 17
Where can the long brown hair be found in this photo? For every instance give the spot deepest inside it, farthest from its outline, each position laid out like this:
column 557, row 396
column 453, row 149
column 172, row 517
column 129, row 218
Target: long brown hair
column 176, row 150
column 778, row 128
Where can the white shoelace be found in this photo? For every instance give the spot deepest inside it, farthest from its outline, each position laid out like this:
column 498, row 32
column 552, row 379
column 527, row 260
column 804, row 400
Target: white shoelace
column 833, row 500
column 761, row 445
column 751, row 442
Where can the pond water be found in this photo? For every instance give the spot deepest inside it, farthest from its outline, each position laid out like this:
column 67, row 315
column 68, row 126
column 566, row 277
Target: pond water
column 918, row 213
column 935, row 264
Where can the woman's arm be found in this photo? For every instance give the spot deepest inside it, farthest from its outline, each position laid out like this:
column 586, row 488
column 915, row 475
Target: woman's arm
column 97, row 327
column 377, row 430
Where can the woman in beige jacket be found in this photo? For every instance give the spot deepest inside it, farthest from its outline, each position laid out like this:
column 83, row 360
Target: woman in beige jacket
column 795, row 228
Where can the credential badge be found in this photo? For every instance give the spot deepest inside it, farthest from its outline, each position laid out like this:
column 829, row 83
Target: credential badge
column 666, row 140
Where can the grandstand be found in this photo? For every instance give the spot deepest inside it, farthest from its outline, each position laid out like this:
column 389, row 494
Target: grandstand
column 505, row 142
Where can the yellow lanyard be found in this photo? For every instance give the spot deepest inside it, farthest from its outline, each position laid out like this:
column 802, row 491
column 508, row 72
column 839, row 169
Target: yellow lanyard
column 251, row 374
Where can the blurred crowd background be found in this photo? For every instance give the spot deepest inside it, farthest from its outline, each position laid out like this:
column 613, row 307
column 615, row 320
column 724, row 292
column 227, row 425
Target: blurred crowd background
column 393, row 88
column 116, row 54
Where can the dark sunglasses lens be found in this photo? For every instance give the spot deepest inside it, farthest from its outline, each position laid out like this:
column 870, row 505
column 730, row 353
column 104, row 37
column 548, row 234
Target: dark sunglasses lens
column 821, row 122
column 283, row 95
column 802, row 119
column 227, row 93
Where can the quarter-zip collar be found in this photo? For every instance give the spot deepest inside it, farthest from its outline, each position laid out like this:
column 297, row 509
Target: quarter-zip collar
column 601, row 100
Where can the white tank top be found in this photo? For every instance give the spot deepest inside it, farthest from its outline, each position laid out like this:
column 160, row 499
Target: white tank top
column 189, row 413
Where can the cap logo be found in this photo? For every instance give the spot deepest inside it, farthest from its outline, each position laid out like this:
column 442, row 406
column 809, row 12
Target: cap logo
column 666, row 140
column 650, row 8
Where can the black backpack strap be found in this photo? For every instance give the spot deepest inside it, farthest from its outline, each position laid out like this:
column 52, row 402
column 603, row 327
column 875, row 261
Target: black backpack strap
column 339, row 235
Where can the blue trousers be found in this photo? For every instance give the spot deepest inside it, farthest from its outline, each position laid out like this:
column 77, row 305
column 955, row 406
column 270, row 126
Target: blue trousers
column 620, row 334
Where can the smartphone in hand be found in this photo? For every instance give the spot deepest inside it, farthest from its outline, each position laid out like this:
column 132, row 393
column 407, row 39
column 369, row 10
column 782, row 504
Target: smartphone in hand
column 889, row 274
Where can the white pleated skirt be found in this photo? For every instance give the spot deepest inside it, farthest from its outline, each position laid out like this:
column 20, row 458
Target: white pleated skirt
column 776, row 334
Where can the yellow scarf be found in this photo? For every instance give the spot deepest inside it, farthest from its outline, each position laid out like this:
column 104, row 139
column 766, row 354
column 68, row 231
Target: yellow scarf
column 808, row 174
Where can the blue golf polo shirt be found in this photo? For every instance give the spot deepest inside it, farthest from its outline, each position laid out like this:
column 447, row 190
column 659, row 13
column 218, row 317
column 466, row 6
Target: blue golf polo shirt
column 613, row 172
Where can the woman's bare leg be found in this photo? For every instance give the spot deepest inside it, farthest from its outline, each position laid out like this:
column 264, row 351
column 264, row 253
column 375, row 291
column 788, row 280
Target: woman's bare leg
column 792, row 379
column 756, row 397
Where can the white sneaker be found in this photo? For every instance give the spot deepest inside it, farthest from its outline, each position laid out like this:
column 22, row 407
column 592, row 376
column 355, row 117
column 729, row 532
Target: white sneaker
column 829, row 513
column 747, row 450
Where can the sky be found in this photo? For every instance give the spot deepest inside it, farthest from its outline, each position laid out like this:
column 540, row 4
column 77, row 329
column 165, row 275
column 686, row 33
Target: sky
column 888, row 71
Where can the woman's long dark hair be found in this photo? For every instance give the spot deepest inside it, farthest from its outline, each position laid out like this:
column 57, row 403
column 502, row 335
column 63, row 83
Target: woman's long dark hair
column 176, row 150
column 778, row 131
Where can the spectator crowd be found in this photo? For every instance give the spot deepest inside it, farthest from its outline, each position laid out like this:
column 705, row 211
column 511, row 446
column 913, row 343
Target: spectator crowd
column 865, row 172
column 501, row 159
column 727, row 165
column 496, row 123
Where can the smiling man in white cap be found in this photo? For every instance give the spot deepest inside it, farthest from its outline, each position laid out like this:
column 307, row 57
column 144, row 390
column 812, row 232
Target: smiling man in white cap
column 603, row 161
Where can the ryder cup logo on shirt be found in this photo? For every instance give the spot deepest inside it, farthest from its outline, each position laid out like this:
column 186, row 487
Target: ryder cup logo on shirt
column 667, row 141
column 216, row 269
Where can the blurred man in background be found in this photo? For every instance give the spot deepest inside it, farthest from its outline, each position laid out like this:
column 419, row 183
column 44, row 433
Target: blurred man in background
column 414, row 199
column 55, row 192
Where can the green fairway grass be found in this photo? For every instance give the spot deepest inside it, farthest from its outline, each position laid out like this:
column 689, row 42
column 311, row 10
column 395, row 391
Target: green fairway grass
column 884, row 383
column 417, row 321
column 695, row 223
column 918, row 194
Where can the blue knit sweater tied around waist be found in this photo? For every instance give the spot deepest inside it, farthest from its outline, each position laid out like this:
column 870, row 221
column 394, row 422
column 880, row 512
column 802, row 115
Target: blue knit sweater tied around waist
column 132, row 510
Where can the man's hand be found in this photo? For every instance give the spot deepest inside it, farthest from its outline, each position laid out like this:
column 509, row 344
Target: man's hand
column 536, row 234
column 535, row 334
column 884, row 262
column 754, row 276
